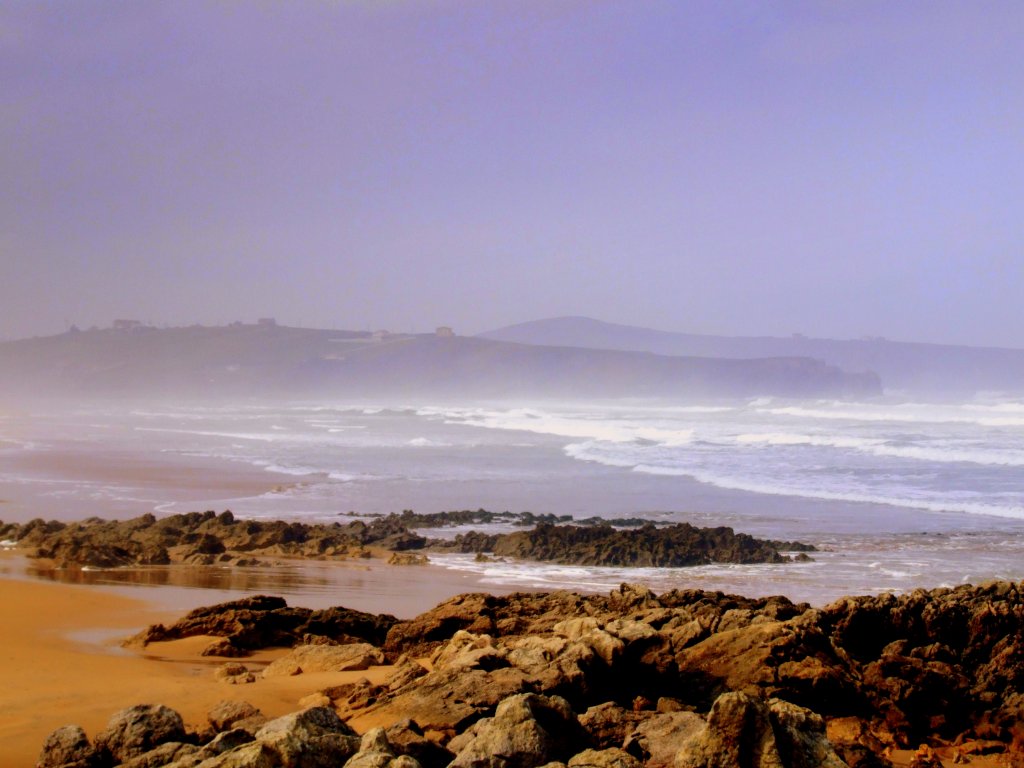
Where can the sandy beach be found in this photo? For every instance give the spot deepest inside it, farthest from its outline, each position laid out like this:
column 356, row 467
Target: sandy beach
column 63, row 665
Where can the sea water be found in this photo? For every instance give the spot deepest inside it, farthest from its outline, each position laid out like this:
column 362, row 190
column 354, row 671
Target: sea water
column 895, row 493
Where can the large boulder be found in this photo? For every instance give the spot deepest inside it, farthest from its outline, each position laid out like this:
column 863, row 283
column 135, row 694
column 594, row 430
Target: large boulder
column 68, row 747
column 743, row 731
column 136, row 730
column 312, row 738
column 375, row 751
column 526, row 731
column 658, row 738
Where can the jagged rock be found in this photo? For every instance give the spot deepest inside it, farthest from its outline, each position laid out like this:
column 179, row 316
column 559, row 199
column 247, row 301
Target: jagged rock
column 169, row 752
column 136, row 730
column 655, row 740
column 375, row 751
column 745, row 732
column 466, row 650
column 527, row 730
column 68, row 747
column 225, row 741
column 311, row 738
column 262, row 621
column 604, row 758
column 253, row 755
column 608, row 724
column 405, row 672
column 354, row 696
column 234, row 674
column 407, row 558
column 325, row 658
column 227, row 715
column 671, row 546
column 449, row 700
column 407, row 738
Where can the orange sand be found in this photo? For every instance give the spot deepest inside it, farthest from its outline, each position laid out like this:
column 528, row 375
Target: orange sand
column 62, row 665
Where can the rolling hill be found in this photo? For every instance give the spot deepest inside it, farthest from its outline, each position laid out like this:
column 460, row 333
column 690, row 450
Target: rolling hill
column 270, row 360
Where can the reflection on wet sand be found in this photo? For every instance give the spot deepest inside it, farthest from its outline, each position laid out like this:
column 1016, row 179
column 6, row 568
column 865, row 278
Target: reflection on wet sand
column 275, row 579
column 366, row 585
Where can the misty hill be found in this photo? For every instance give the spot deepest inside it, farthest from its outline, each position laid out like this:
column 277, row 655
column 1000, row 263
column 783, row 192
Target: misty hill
column 914, row 367
column 281, row 361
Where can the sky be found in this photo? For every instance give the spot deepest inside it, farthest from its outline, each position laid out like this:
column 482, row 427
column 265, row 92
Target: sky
column 839, row 169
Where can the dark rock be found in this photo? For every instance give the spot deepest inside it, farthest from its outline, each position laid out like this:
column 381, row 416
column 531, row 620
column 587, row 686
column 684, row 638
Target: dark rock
column 406, row 738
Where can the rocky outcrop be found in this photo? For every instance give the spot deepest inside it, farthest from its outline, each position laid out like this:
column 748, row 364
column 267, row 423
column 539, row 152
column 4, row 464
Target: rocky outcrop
column 208, row 538
column 325, row 658
column 673, row 546
column 263, row 622
column 687, row 678
column 746, row 732
column 203, row 539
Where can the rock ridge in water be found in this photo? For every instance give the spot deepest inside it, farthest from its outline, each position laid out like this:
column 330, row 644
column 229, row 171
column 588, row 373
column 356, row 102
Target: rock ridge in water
column 208, row 538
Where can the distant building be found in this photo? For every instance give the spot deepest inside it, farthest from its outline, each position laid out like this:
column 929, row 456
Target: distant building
column 444, row 332
column 380, row 335
column 127, row 325
column 266, row 321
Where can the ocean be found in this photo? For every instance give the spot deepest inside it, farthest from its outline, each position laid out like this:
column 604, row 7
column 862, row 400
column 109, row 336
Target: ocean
column 896, row 494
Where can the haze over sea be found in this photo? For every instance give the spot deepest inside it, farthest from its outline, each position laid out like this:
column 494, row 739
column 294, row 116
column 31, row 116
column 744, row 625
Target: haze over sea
column 896, row 493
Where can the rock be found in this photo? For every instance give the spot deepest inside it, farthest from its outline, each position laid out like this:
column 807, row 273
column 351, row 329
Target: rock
column 325, row 658
column 527, row 730
column 234, row 674
column 466, row 650
column 68, row 747
column 311, row 738
column 407, row 738
column 169, row 752
column 136, row 730
column 236, row 714
column 800, row 735
column 604, row 758
column 405, row 672
column 655, row 740
column 253, row 755
column 227, row 741
column 262, row 621
column 449, row 700
column 608, row 724
column 670, row 546
column 407, row 558
column 745, row 732
column 317, row 699
column 376, row 752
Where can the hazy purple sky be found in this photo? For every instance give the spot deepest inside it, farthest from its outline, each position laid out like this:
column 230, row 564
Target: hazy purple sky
column 834, row 168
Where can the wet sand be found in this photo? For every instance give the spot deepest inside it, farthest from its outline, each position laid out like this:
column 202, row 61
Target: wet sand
column 73, row 483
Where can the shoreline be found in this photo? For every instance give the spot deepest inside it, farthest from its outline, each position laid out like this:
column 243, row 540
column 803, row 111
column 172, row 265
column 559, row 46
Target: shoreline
column 66, row 484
